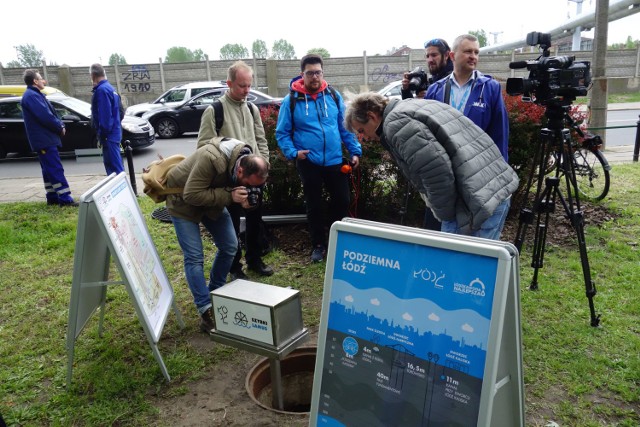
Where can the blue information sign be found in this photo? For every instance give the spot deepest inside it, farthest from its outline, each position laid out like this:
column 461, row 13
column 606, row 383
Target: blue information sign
column 406, row 327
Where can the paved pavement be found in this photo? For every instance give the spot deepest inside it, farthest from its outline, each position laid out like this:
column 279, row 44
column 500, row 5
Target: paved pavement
column 30, row 189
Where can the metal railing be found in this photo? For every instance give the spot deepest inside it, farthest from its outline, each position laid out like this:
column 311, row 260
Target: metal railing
column 636, row 145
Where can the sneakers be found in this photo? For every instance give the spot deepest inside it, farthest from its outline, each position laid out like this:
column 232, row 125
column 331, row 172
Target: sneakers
column 261, row 268
column 206, row 321
column 318, row 254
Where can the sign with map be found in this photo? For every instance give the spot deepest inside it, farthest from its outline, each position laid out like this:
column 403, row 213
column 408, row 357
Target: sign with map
column 111, row 226
column 408, row 328
column 134, row 248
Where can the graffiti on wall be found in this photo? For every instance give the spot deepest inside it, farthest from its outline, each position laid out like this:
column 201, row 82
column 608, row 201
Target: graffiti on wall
column 134, row 79
column 383, row 75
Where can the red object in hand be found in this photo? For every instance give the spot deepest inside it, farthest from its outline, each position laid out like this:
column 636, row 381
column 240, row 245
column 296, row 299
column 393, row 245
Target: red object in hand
column 346, row 168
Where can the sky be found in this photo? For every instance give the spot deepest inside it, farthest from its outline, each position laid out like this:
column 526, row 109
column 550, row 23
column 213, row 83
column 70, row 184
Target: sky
column 76, row 32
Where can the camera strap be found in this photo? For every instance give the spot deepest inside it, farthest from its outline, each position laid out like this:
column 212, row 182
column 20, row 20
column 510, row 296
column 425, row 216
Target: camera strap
column 447, row 91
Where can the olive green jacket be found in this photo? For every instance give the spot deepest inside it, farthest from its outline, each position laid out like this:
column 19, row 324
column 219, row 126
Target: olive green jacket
column 207, row 177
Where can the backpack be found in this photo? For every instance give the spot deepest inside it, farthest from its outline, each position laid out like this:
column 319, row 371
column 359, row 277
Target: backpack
column 219, row 110
column 294, row 96
column 154, row 178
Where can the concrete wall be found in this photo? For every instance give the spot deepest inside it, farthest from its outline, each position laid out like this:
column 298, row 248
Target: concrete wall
column 145, row 82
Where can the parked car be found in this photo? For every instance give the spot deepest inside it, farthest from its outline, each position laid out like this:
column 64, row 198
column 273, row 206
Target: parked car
column 76, row 115
column 392, row 90
column 18, row 90
column 171, row 122
column 174, row 96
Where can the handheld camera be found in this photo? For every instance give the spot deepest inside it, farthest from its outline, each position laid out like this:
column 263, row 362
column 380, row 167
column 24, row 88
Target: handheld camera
column 418, row 80
column 253, row 195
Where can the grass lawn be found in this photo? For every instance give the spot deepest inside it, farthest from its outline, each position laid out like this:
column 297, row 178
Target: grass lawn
column 574, row 374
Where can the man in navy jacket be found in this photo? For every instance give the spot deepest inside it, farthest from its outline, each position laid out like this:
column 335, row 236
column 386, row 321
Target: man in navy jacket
column 477, row 96
column 105, row 114
column 44, row 130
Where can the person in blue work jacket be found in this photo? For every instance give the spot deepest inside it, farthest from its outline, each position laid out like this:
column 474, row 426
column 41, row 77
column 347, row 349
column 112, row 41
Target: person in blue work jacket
column 105, row 115
column 477, row 96
column 311, row 131
column 44, row 130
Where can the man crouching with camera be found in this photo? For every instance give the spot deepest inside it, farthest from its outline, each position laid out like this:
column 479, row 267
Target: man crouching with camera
column 436, row 52
column 219, row 173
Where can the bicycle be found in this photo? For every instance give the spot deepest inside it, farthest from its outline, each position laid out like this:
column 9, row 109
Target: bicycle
column 589, row 163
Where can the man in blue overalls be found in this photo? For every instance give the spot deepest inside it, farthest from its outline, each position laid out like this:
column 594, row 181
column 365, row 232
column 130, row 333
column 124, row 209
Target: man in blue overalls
column 105, row 114
column 44, row 130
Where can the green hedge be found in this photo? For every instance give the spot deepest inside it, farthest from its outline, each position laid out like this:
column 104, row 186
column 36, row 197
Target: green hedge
column 379, row 191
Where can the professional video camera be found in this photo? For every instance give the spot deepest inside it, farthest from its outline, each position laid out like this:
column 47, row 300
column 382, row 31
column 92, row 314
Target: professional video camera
column 418, row 80
column 550, row 77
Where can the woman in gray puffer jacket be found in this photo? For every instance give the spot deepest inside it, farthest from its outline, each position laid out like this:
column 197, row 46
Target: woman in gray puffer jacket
column 453, row 163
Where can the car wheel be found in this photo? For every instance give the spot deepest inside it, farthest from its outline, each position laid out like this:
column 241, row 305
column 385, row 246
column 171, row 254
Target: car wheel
column 167, row 128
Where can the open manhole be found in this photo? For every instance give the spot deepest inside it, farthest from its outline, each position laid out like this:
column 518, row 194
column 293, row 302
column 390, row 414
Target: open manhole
column 297, row 382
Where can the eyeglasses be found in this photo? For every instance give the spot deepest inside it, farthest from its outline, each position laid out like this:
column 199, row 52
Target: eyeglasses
column 316, row 73
column 439, row 43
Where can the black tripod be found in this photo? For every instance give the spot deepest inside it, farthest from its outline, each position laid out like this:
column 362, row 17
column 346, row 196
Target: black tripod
column 555, row 144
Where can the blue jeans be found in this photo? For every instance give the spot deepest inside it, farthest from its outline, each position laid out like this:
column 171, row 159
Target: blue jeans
column 190, row 240
column 490, row 229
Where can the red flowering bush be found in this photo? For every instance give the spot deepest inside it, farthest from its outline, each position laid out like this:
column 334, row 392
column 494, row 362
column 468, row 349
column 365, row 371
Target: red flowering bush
column 525, row 121
column 283, row 190
column 379, row 191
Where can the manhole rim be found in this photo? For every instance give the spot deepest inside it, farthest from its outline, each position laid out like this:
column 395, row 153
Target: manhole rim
column 263, row 367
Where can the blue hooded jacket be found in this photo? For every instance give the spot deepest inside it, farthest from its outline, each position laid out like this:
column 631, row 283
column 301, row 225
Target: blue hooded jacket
column 485, row 107
column 318, row 125
column 40, row 120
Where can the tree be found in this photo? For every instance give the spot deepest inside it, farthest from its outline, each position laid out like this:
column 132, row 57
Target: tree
column 259, row 49
column 282, row 49
column 233, row 51
column 481, row 35
column 198, row 55
column 180, row 54
column 324, row 53
column 118, row 59
column 28, row 56
column 629, row 44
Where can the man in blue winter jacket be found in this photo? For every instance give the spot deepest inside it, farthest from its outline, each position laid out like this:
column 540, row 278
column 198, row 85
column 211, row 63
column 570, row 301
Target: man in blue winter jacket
column 105, row 115
column 44, row 130
column 475, row 95
column 312, row 133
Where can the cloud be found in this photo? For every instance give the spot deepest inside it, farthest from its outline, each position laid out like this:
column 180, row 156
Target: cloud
column 434, row 317
column 375, row 301
column 348, row 298
column 467, row 328
column 407, row 317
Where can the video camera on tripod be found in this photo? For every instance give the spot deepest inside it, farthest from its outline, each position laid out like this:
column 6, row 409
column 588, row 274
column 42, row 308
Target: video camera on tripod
column 554, row 82
column 550, row 77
